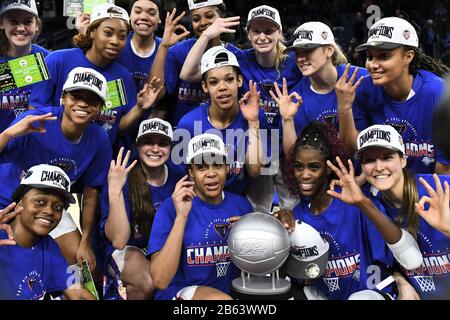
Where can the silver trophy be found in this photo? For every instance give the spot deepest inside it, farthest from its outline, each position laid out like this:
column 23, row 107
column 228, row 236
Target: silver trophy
column 259, row 245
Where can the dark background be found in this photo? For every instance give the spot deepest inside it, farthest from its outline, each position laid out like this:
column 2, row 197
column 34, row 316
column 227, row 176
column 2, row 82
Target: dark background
column 347, row 18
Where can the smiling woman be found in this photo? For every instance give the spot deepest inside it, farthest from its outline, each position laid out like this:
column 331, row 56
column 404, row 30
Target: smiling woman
column 34, row 258
column 403, row 90
column 408, row 198
column 128, row 207
column 19, row 27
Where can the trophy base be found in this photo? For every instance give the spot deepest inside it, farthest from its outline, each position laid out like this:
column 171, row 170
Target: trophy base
column 259, row 287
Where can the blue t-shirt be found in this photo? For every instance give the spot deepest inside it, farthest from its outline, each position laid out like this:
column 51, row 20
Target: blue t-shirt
column 189, row 94
column 60, row 63
column 432, row 279
column 158, row 195
column 324, row 107
column 205, row 259
column 29, row 273
column 412, row 118
column 234, row 136
column 265, row 78
column 140, row 68
column 14, row 102
column 88, row 160
column 356, row 247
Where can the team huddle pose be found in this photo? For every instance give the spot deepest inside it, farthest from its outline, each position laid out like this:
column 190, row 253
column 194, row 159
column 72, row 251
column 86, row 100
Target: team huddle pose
column 165, row 143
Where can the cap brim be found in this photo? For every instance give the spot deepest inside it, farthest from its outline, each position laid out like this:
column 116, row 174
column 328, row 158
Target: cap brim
column 303, row 46
column 358, row 153
column 199, row 158
column 297, row 269
column 87, row 89
column 20, row 9
column 265, row 19
column 378, row 45
column 70, row 198
column 154, row 134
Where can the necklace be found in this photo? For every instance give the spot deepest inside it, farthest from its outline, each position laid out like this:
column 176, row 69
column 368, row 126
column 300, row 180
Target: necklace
column 329, row 203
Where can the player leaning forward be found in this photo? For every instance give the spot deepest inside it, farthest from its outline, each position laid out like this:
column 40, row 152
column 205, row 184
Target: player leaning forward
column 188, row 242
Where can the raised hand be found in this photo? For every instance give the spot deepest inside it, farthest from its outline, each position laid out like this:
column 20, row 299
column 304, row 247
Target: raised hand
column 438, row 213
column 118, row 170
column 221, row 25
column 350, row 191
column 182, row 196
column 287, row 219
column 6, row 215
column 26, row 125
column 170, row 36
column 288, row 108
column 147, row 96
column 249, row 103
column 346, row 89
column 82, row 22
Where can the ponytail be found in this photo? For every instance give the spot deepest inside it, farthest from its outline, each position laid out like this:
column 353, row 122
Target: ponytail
column 338, row 56
column 280, row 57
column 408, row 210
column 422, row 61
column 140, row 197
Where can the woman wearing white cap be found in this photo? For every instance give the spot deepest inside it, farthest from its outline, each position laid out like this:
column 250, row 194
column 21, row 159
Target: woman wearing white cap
column 382, row 153
column 172, row 53
column 267, row 63
column 68, row 138
column 128, row 208
column 403, row 90
column 31, row 263
column 356, row 228
column 98, row 49
column 19, row 27
column 321, row 62
column 238, row 122
column 188, row 243
column 138, row 55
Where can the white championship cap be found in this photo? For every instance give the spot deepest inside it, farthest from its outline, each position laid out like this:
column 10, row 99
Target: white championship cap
column 217, row 57
column 380, row 135
column 24, row 5
column 390, row 33
column 206, row 144
column 195, row 4
column 309, row 253
column 311, row 35
column 368, row 295
column 45, row 176
column 108, row 10
column 266, row 13
column 155, row 126
column 86, row 79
